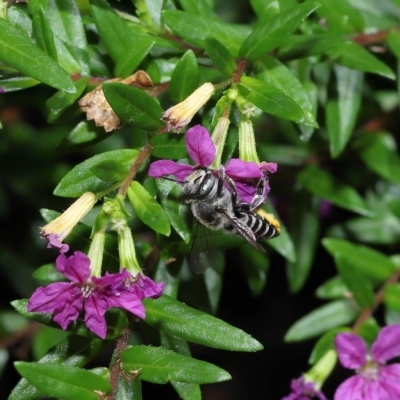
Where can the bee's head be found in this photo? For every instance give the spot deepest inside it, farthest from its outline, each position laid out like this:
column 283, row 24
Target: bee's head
column 198, row 185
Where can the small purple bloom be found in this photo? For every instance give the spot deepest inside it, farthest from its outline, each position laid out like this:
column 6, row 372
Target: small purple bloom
column 95, row 295
column 374, row 379
column 201, row 149
column 302, row 390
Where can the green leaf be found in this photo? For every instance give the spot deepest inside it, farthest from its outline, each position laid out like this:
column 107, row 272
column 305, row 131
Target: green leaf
column 147, row 209
column 110, row 171
column 185, row 78
column 17, row 50
column 342, row 113
column 255, row 267
column 379, row 153
column 356, row 282
column 352, row 55
column 63, row 381
column 324, row 185
column 371, row 262
column 273, row 72
column 65, row 20
column 116, row 320
column 17, row 83
column 159, row 365
column 133, row 105
column 304, row 233
column 393, row 40
column 324, row 344
column 80, row 179
column 169, row 145
column 176, row 318
column 391, row 296
column 321, row 320
column 48, row 273
column 199, row 8
column 269, row 33
column 74, row 351
column 194, row 30
column 220, row 56
column 172, row 203
column 333, row 288
column 43, row 34
column 61, row 100
column 270, row 99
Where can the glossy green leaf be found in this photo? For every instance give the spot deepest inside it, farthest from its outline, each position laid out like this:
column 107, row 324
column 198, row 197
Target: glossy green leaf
column 341, row 114
column 17, row 50
column 304, row 233
column 322, row 319
column 273, row 72
column 269, row 33
column 19, row 18
column 324, row 344
column 159, row 365
column 194, row 30
column 282, row 244
column 61, row 100
column 80, row 179
column 178, row 213
column 391, row 296
column 270, row 99
column 110, row 171
column 373, row 263
column 74, row 351
column 43, row 34
column 170, row 145
column 48, row 273
column 379, row 153
column 116, row 320
column 324, row 185
column 17, row 83
column 176, row 318
column 356, row 282
column 333, row 288
column 352, row 55
column 63, row 381
column 393, row 41
column 265, row 8
column 46, row 339
column 199, row 8
column 148, row 209
column 133, row 105
column 220, row 56
column 127, row 64
column 185, row 78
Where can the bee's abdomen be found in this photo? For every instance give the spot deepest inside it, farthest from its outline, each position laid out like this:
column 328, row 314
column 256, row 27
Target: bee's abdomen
column 261, row 228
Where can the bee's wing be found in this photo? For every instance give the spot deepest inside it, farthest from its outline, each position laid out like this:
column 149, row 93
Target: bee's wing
column 199, row 260
column 243, row 230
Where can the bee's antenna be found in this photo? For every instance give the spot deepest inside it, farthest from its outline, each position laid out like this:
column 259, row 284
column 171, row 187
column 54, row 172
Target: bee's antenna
column 172, row 180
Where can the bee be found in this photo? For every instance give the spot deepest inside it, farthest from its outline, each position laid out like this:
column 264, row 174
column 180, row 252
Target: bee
column 215, row 204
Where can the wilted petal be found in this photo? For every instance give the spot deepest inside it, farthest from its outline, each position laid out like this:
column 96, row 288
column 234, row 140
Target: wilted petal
column 270, row 167
column 47, row 299
column 76, row 267
column 351, row 350
column 200, row 147
column 302, row 390
column 239, row 169
column 129, row 301
column 69, row 310
column 387, row 344
column 351, row 389
column 161, row 168
column 95, row 308
column 149, row 287
column 54, row 242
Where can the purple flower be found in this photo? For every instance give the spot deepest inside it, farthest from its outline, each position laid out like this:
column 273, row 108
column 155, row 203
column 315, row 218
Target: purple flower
column 94, row 295
column 302, row 390
column 201, row 149
column 374, row 379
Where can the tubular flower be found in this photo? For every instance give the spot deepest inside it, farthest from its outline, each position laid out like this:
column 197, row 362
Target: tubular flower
column 93, row 294
column 201, row 149
column 58, row 229
column 182, row 113
column 303, row 390
column 374, row 380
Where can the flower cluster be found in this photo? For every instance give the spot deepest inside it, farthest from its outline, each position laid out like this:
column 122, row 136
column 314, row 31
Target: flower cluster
column 374, row 379
column 202, row 151
column 93, row 294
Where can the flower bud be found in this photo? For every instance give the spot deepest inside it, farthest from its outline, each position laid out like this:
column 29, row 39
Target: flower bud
column 182, row 113
column 247, row 142
column 126, row 249
column 58, row 229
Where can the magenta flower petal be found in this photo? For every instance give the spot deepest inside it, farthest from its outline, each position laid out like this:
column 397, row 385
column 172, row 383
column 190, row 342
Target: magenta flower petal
column 69, row 310
column 161, row 168
column 387, row 344
column 351, row 389
column 129, row 301
column 351, row 350
column 302, row 390
column 149, row 287
column 245, row 191
column 111, row 279
column 238, row 169
column 200, row 147
column 95, row 308
column 76, row 267
column 54, row 242
column 270, row 167
column 390, row 373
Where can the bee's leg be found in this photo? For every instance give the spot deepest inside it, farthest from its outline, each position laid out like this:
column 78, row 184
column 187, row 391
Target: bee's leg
column 259, row 196
column 223, row 178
